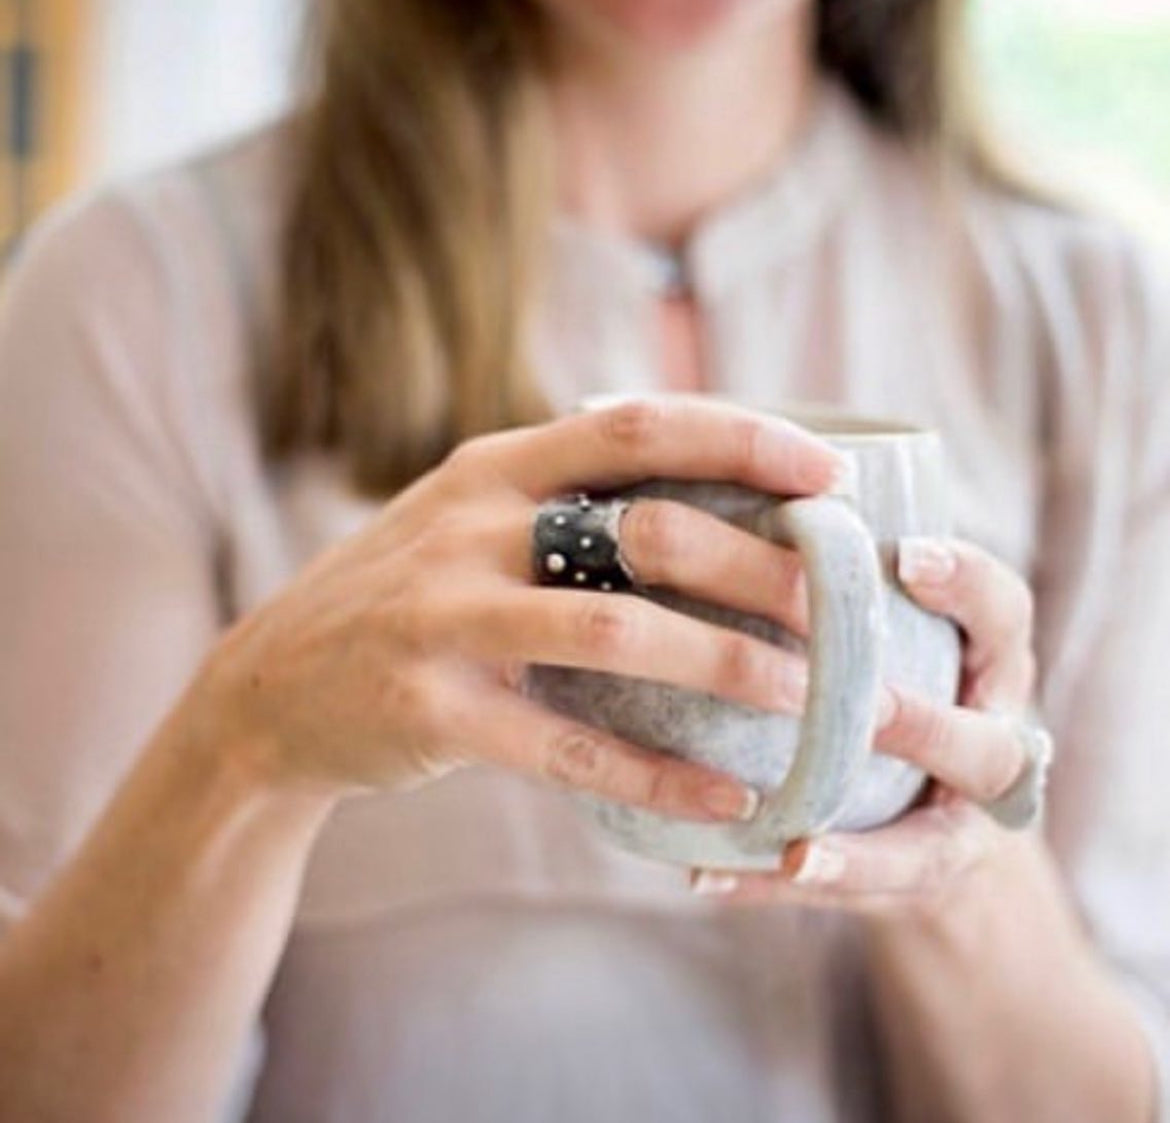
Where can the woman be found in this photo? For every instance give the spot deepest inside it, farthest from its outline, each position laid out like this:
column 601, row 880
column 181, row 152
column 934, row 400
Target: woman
column 201, row 371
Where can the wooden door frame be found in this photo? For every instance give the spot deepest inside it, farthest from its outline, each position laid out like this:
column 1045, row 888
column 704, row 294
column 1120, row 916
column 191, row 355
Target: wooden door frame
column 64, row 39
column 58, row 39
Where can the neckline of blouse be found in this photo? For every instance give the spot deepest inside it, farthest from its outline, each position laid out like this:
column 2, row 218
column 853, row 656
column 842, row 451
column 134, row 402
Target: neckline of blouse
column 759, row 228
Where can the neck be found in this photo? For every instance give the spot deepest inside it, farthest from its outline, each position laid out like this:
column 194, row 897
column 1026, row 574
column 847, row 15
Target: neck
column 650, row 142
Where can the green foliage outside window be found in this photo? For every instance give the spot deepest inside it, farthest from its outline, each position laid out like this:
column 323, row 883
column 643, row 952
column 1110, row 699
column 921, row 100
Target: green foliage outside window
column 1088, row 79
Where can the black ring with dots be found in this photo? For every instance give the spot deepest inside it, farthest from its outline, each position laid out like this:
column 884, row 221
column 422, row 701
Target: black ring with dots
column 575, row 544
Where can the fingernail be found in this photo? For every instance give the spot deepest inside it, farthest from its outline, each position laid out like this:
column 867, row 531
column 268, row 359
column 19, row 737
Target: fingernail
column 887, row 708
column 801, row 457
column 792, row 688
column 593, row 403
column 709, row 883
column 925, row 561
column 844, row 481
column 726, row 801
column 751, row 805
column 821, row 866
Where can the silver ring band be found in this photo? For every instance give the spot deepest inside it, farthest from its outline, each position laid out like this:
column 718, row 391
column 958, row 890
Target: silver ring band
column 1022, row 805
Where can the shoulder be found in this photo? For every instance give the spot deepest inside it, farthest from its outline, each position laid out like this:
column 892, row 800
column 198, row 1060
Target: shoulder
column 1098, row 293
column 1064, row 310
column 157, row 266
column 155, row 239
column 1094, row 279
column 1045, row 251
column 1073, row 301
column 121, row 324
column 1101, row 294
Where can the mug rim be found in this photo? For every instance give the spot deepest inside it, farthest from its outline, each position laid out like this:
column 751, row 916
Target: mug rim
column 827, row 419
column 832, row 421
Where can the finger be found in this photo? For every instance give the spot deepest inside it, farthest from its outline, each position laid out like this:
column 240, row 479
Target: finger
column 509, row 730
column 681, row 547
column 978, row 754
column 920, row 855
column 989, row 601
column 707, row 558
column 623, row 635
column 669, row 437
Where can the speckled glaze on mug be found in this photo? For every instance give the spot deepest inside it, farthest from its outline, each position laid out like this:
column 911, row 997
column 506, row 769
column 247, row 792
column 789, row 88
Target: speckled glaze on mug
column 819, row 771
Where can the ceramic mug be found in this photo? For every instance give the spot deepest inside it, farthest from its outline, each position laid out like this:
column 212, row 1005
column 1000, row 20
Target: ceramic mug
column 818, row 771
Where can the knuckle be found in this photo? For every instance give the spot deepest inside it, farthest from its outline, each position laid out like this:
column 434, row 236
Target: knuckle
column 657, row 788
column 514, row 675
column 654, row 533
column 748, row 437
column 661, row 785
column 632, row 425
column 577, row 757
column 790, row 580
column 467, row 458
column 407, row 619
column 449, row 541
column 412, row 698
column 414, row 626
column 607, row 628
column 462, row 625
column 444, row 531
column 982, row 576
column 476, row 459
column 742, row 665
column 975, row 577
column 928, row 728
column 1002, row 586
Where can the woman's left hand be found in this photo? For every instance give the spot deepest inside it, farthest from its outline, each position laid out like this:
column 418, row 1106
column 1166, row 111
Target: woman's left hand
column 972, row 751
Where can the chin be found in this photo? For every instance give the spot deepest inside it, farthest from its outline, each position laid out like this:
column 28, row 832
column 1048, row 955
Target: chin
column 668, row 24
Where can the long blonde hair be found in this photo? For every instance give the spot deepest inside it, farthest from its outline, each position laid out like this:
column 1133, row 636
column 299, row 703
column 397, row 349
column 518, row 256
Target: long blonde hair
column 420, row 192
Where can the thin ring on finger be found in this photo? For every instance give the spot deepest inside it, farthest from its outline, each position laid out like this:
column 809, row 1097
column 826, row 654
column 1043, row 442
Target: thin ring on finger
column 1022, row 804
column 999, row 761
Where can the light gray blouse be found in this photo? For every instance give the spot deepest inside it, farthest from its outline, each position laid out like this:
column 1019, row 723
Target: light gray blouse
column 474, row 951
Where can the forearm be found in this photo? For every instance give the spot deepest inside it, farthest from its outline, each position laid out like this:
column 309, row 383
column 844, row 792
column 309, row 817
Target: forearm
column 996, row 1009
column 128, row 992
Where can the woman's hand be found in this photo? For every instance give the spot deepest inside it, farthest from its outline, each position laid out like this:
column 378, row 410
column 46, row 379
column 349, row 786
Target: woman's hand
column 397, row 655
column 972, row 751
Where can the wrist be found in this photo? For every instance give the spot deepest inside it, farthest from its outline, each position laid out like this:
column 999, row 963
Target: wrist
column 235, row 755
column 1017, row 872
column 1001, row 960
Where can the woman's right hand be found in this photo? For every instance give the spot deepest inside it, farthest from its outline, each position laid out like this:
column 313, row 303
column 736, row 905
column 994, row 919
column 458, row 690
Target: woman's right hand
column 399, row 654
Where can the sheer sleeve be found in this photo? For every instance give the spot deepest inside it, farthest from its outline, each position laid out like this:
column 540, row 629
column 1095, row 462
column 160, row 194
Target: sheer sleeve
column 107, row 537
column 1104, row 612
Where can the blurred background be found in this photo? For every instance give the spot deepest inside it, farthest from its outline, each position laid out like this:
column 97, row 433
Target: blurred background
column 93, row 89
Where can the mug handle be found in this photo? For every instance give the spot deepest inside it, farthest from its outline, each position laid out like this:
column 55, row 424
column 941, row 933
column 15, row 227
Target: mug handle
column 846, row 630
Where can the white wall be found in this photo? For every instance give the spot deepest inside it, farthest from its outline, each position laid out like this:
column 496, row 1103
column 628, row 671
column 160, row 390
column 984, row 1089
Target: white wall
column 170, row 76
